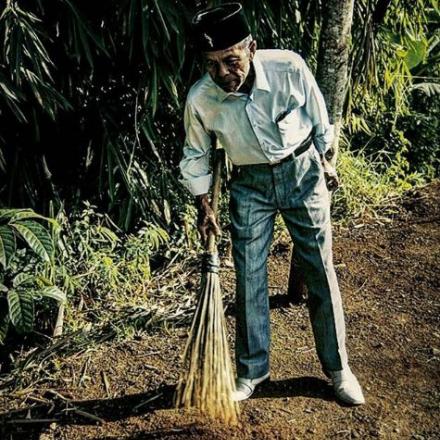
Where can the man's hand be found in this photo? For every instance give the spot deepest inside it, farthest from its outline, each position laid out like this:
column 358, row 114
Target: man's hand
column 206, row 220
column 330, row 174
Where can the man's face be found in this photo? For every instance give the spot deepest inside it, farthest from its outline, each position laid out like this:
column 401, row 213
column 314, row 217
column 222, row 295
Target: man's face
column 229, row 67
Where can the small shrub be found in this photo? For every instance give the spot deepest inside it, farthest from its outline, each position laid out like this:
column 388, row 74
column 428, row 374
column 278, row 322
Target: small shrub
column 24, row 241
column 367, row 185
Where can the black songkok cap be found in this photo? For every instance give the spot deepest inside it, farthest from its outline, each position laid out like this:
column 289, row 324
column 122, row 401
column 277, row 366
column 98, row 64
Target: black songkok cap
column 220, row 27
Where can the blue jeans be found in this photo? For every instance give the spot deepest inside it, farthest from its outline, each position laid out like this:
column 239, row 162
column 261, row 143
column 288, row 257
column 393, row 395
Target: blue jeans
column 297, row 190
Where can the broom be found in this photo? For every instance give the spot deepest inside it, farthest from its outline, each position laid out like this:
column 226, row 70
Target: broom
column 207, row 380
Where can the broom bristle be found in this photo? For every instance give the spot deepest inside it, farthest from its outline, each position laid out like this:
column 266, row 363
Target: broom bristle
column 207, row 382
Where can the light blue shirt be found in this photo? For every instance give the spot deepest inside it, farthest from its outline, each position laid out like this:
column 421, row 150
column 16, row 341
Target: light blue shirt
column 264, row 126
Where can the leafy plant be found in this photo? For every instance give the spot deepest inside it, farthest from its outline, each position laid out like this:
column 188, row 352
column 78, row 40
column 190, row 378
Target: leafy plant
column 392, row 103
column 20, row 231
column 98, row 262
column 366, row 188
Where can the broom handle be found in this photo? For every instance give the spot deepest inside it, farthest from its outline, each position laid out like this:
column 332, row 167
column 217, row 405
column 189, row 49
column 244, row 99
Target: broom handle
column 219, row 156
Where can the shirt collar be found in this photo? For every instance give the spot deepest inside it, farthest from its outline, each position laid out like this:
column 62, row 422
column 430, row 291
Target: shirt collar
column 260, row 81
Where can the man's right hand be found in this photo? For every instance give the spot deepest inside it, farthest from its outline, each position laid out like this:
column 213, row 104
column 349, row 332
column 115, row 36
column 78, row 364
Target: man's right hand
column 206, row 220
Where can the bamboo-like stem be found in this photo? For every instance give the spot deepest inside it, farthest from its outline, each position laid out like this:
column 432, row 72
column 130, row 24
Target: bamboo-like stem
column 58, row 330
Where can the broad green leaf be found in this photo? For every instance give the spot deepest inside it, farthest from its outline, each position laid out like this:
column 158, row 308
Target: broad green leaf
column 53, row 292
column 37, row 237
column 9, row 213
column 27, row 214
column 416, row 53
column 4, row 320
column 7, row 245
column 21, row 214
column 22, row 279
column 21, row 309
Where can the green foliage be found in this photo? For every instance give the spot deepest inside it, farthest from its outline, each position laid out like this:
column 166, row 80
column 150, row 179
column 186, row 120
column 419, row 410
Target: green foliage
column 91, row 109
column 91, row 260
column 29, row 63
column 98, row 261
column 387, row 114
column 368, row 188
column 21, row 224
column 114, row 79
column 107, row 83
column 20, row 284
column 422, row 129
column 4, row 318
column 21, row 309
column 7, row 245
column 22, row 293
column 101, row 74
column 37, row 238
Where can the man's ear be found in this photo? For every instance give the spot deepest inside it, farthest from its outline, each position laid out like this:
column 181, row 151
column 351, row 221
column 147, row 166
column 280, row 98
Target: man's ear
column 252, row 48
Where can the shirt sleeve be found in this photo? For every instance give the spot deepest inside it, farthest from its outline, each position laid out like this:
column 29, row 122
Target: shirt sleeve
column 195, row 163
column 316, row 109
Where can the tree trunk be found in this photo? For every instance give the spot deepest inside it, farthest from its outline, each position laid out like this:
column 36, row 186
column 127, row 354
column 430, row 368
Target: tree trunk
column 331, row 74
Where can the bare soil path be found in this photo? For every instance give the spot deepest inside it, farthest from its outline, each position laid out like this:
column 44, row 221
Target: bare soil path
column 389, row 278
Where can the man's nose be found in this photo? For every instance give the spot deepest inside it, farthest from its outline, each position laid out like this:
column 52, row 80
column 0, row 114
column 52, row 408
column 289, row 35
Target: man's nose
column 223, row 70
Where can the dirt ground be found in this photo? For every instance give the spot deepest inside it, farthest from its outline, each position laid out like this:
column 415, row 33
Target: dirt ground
column 389, row 279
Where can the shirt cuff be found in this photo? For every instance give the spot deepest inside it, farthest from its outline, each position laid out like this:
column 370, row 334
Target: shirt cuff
column 197, row 185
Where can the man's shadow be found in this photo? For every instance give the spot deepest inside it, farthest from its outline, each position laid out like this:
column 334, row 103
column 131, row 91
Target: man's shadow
column 19, row 423
column 312, row 387
column 276, row 301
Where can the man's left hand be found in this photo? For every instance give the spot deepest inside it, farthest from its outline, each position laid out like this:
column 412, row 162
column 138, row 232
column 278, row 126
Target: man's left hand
column 330, row 174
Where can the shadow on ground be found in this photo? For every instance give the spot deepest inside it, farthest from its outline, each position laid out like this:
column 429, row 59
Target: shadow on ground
column 276, row 301
column 30, row 422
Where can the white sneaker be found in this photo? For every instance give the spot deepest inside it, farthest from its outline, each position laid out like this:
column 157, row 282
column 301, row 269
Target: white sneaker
column 347, row 387
column 244, row 388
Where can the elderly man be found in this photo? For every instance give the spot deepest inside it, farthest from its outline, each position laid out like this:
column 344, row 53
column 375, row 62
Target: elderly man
column 267, row 111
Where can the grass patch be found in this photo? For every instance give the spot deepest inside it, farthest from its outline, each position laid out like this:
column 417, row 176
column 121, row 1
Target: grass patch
column 369, row 185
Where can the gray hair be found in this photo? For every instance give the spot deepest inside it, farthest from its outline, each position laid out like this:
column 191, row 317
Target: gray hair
column 245, row 43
